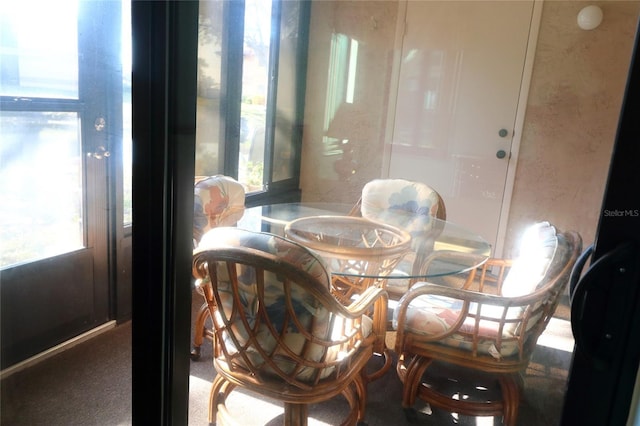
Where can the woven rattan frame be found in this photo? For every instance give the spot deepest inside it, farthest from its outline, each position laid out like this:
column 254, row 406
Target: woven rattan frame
column 369, row 251
column 236, row 368
column 483, row 285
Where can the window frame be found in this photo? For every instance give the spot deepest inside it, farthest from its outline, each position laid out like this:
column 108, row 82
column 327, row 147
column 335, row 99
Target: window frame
column 286, row 190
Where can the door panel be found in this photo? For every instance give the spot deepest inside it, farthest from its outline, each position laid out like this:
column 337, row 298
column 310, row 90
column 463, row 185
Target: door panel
column 52, row 292
column 459, row 86
column 61, row 113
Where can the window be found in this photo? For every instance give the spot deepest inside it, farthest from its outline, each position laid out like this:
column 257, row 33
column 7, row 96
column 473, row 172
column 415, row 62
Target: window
column 56, row 130
column 251, row 74
column 40, row 133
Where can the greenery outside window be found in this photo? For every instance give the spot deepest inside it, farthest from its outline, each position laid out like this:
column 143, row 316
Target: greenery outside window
column 251, row 74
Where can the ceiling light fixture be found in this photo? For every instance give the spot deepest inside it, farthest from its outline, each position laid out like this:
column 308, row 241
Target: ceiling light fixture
column 590, row 17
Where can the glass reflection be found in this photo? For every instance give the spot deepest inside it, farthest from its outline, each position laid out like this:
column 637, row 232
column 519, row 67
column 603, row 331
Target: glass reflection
column 41, row 63
column 255, row 89
column 40, row 185
column 209, row 152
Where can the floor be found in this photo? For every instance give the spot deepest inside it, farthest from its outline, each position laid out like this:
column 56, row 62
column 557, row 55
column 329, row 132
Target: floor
column 545, row 381
column 90, row 384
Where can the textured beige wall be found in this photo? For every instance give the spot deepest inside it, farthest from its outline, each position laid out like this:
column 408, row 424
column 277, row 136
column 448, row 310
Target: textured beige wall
column 574, row 102
column 373, row 24
column 572, row 114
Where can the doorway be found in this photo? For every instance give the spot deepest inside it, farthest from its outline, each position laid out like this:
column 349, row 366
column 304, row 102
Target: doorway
column 456, row 58
column 61, row 93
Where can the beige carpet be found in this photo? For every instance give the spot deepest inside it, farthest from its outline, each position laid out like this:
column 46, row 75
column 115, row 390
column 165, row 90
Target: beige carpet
column 90, row 384
column 542, row 400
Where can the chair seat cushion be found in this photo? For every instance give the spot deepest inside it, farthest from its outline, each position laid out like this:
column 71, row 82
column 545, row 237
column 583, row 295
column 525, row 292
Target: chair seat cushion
column 397, row 285
column 295, row 342
column 433, row 315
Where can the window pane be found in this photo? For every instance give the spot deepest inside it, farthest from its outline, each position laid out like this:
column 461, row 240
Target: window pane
column 39, row 49
column 209, row 152
column 127, row 147
column 286, row 121
column 255, row 86
column 40, row 185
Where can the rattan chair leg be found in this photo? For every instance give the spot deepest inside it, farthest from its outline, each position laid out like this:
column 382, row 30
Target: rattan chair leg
column 220, row 389
column 200, row 332
column 361, row 397
column 356, row 396
column 510, row 388
column 295, row 414
column 388, row 361
column 411, row 377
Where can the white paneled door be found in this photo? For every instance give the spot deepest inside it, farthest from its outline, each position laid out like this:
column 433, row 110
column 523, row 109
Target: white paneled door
column 461, row 71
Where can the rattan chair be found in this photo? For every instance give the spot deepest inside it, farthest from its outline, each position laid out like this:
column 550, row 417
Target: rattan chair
column 410, row 206
column 218, row 201
column 279, row 332
column 485, row 332
column 382, row 195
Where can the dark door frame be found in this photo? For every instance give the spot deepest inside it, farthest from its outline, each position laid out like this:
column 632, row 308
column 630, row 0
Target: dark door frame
column 164, row 36
column 164, row 75
column 606, row 303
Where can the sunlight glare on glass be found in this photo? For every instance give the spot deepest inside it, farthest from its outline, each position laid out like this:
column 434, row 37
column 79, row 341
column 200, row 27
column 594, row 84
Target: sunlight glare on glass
column 50, row 23
column 484, row 421
column 42, row 36
column 255, row 91
column 127, row 142
column 353, row 67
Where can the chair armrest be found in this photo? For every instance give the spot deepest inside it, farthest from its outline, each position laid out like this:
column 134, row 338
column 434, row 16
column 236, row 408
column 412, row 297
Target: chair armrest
column 493, row 261
column 491, row 270
column 467, row 297
column 425, row 288
column 365, row 302
column 469, row 259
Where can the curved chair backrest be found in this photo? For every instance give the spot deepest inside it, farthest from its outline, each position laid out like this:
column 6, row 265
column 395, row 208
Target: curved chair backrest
column 275, row 320
column 402, row 194
column 218, row 201
column 387, row 199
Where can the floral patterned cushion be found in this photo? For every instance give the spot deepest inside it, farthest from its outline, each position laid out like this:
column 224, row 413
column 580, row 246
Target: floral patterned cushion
column 218, row 201
column 311, row 314
column 433, row 315
column 384, row 199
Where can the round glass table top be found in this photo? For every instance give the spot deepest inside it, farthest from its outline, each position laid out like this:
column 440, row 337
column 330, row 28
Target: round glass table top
column 348, row 237
column 418, row 246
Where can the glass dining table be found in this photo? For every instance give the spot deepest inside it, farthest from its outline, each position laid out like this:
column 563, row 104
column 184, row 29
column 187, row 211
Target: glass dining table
column 424, row 248
column 391, row 249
